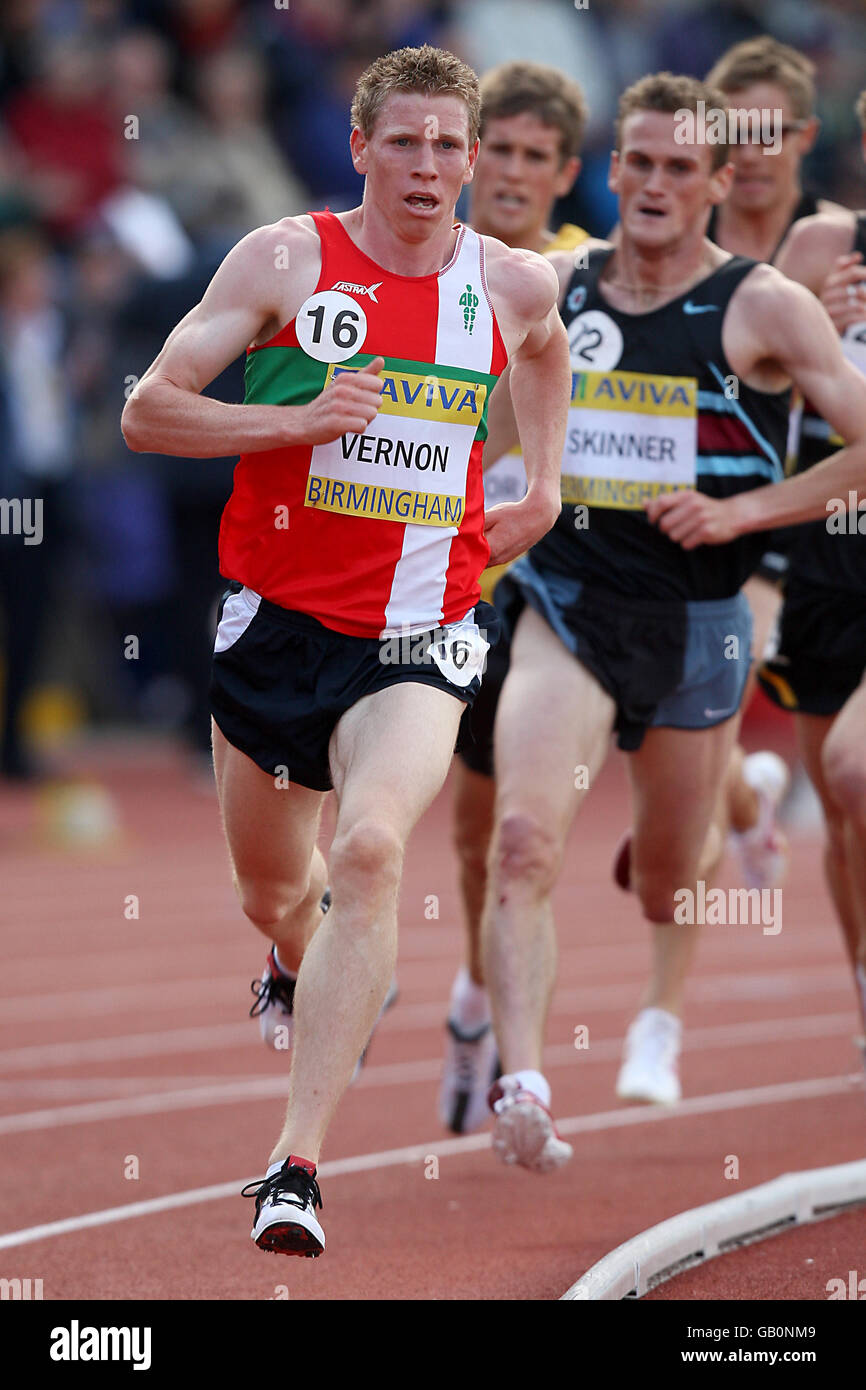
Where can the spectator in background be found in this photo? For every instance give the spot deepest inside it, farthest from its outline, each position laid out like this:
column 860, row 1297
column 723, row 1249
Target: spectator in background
column 37, row 426
column 316, row 50
column 240, row 180
column 69, row 141
column 203, row 27
column 160, row 154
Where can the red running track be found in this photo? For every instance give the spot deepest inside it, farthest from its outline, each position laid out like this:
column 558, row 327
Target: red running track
column 125, row 1048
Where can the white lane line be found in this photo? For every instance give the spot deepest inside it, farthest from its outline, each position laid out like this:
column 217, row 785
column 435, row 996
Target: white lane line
column 25, row 1088
column 710, row 989
column 256, row 1088
column 209, row 1038
column 449, row 1148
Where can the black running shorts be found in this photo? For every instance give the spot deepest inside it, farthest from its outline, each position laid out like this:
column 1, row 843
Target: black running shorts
column 281, row 680
column 821, row 653
column 666, row 663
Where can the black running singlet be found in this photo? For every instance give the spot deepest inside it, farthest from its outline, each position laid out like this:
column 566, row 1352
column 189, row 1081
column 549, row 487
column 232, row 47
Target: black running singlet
column 834, row 558
column 656, row 407
column 807, row 207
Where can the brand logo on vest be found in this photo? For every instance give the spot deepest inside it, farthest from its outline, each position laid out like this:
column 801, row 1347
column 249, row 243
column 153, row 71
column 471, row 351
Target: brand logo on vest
column 468, row 302
column 349, row 288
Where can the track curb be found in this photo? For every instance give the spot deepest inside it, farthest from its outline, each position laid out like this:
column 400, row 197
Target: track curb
column 703, row 1233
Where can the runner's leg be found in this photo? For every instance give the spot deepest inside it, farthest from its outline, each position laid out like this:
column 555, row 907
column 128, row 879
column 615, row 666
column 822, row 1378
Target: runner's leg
column 278, row 871
column 474, row 801
column 389, row 757
column 834, row 751
column 553, row 717
column 676, row 777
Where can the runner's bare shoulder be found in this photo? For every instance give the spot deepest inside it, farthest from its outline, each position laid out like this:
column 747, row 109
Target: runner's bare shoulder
column 282, row 261
column 813, row 244
column 522, row 284
column 566, row 262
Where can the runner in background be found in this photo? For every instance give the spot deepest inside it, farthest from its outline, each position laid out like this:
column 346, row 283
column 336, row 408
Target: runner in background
column 818, row 668
column 767, row 197
column 532, row 123
column 770, row 91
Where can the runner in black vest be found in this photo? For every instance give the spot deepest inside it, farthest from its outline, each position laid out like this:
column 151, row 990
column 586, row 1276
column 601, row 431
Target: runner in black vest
column 532, row 123
column 682, row 357
column 819, row 668
column 766, row 199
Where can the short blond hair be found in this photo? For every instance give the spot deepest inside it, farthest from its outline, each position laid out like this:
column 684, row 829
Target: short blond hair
column 671, row 93
column 431, row 71
column 548, row 94
column 766, row 60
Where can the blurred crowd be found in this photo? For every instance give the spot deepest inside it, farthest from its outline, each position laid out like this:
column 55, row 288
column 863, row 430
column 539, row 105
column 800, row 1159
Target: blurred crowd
column 139, row 140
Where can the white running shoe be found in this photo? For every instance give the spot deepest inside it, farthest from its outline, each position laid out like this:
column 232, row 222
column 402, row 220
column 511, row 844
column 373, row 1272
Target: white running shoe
column 275, row 1002
column 471, row 1067
column 275, row 998
column 762, row 851
column 286, row 1204
column 523, row 1131
column 649, row 1071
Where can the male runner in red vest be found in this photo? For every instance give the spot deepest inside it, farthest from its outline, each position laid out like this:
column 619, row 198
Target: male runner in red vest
column 355, row 537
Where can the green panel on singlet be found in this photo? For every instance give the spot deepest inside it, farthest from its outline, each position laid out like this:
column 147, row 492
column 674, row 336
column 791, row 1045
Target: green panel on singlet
column 288, row 376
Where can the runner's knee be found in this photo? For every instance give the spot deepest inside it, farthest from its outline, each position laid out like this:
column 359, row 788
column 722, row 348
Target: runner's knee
column 267, row 901
column 844, row 772
column 365, row 857
column 527, row 851
column 656, row 895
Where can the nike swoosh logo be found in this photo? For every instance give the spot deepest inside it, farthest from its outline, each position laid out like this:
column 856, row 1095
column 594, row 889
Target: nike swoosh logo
column 690, row 308
column 714, row 713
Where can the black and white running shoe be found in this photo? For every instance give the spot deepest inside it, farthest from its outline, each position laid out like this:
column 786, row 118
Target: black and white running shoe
column 286, row 1201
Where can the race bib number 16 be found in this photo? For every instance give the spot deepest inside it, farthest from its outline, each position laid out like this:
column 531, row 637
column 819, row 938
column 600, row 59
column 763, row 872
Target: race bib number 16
column 460, row 652
column 331, row 327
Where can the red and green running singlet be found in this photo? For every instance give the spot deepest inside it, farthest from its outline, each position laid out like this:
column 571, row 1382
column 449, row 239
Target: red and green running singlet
column 378, row 533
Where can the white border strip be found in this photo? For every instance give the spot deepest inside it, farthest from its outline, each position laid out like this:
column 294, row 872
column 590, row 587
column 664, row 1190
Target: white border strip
column 697, row 1235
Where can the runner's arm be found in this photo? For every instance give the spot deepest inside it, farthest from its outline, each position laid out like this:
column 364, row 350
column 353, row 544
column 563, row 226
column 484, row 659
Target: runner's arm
column 166, row 412
column 800, row 338
column 501, row 425
column 540, row 391
column 524, row 289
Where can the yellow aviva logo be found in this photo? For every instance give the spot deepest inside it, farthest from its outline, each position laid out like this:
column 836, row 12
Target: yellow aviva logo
column 641, row 392
column 433, row 396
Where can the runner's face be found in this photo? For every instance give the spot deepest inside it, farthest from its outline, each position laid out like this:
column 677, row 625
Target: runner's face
column 767, row 176
column 416, row 161
column 518, row 178
column 665, row 188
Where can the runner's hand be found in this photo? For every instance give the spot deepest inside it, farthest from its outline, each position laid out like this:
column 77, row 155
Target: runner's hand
column 844, row 292
column 691, row 518
column 512, row 527
column 346, row 406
